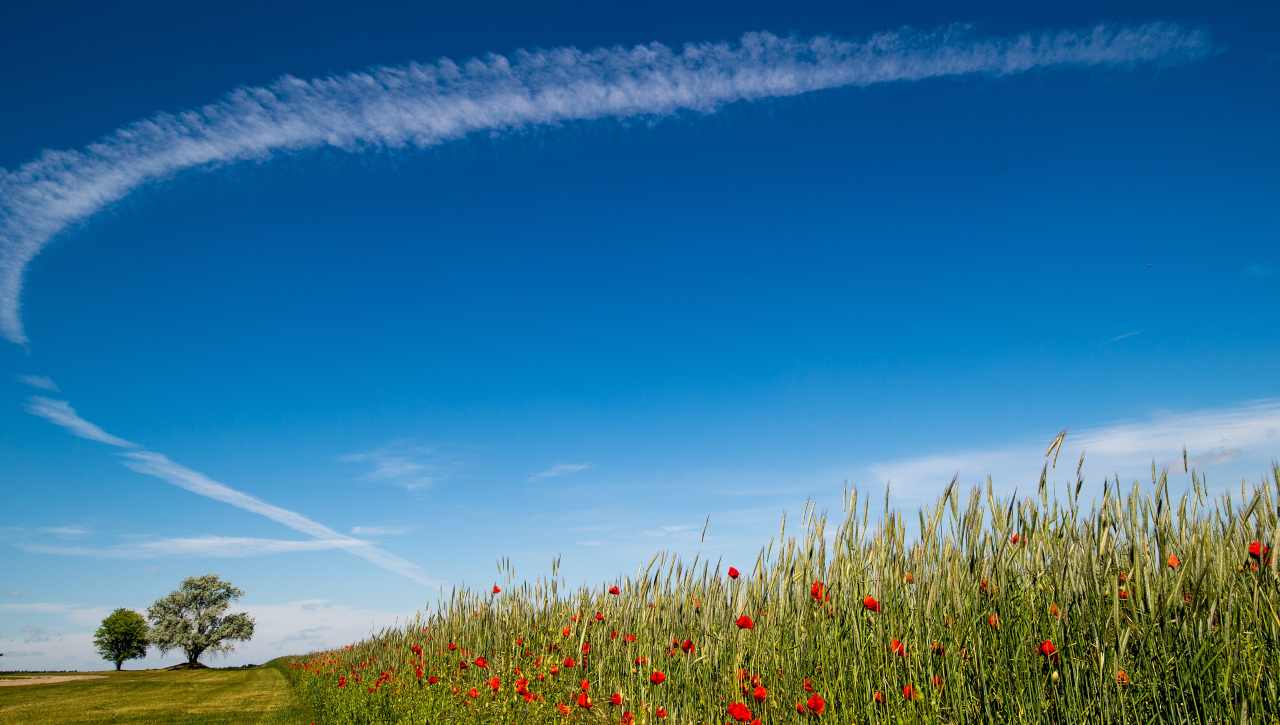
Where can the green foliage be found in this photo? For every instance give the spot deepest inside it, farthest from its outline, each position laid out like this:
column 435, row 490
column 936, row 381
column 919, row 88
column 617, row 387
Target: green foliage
column 194, row 618
column 122, row 636
column 1136, row 636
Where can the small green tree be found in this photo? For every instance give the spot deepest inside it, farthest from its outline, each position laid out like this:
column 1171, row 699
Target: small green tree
column 194, row 618
column 122, row 636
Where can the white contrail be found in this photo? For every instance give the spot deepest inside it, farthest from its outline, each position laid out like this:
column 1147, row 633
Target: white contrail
column 423, row 105
column 212, row 546
column 160, row 466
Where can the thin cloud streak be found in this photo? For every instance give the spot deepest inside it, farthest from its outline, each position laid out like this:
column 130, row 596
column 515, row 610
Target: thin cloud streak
column 422, row 105
column 160, row 466
column 560, row 469
column 209, row 546
column 60, row 412
column 1212, row 436
column 380, row 530
column 41, row 382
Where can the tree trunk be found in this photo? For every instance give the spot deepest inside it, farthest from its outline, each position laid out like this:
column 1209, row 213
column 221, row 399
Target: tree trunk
column 193, row 657
column 118, row 663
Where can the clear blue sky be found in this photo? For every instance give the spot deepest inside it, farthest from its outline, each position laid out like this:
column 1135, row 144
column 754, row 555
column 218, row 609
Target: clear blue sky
column 582, row 338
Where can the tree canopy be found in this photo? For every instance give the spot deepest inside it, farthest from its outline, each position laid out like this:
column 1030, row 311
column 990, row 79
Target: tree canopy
column 194, row 618
column 122, row 636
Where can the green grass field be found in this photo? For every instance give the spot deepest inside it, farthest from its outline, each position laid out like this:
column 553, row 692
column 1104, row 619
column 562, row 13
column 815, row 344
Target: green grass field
column 202, row 697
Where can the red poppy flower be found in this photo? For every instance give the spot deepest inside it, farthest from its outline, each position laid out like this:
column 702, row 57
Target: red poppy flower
column 816, row 704
column 657, row 677
column 744, row 622
column 416, row 649
column 342, row 681
column 898, row 647
column 473, row 693
column 1124, row 593
column 660, row 713
column 433, row 680
column 528, row 696
column 1122, row 678
column 687, row 646
column 1048, row 651
column 453, row 646
column 937, row 681
column 800, row 708
column 615, row 698
column 739, row 712
column 870, row 604
column 1258, row 550
column 993, row 620
column 584, row 685
column 1173, row 561
column 878, row 697
column 599, row 616
column 495, row 684
column 733, row 572
column 419, row 672
column 570, row 663
column 586, row 648
column 563, row 708
column 482, row 663
column 614, row 590
column 808, row 686
column 497, row 589
column 629, row 637
column 760, row 693
column 1014, row 538
column 627, row 718
column 564, row 632
column 909, row 692
column 584, row 701
column 817, row 590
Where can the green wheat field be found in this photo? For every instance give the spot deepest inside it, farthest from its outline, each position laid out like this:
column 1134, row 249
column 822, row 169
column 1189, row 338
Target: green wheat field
column 1142, row 608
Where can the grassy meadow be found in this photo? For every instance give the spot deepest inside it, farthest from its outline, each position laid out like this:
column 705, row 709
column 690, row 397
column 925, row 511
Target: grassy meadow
column 1143, row 607
column 257, row 696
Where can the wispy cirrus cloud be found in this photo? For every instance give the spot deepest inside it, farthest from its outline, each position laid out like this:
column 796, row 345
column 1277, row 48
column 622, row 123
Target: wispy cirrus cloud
column 1212, row 436
column 422, row 105
column 61, row 413
column 198, row 546
column 157, row 465
column 41, row 382
column 409, row 466
column 62, row 532
column 560, row 469
column 1125, row 335
column 380, row 530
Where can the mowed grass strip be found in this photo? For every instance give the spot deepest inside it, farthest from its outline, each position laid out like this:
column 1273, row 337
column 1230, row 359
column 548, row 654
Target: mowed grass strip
column 258, row 695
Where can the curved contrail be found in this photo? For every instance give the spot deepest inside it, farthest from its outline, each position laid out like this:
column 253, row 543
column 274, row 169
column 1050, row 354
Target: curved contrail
column 423, row 105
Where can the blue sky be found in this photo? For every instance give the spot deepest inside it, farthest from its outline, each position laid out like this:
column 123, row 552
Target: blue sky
column 407, row 334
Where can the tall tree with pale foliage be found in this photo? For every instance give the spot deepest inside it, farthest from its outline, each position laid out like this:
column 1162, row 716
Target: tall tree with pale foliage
column 122, row 636
column 194, row 618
